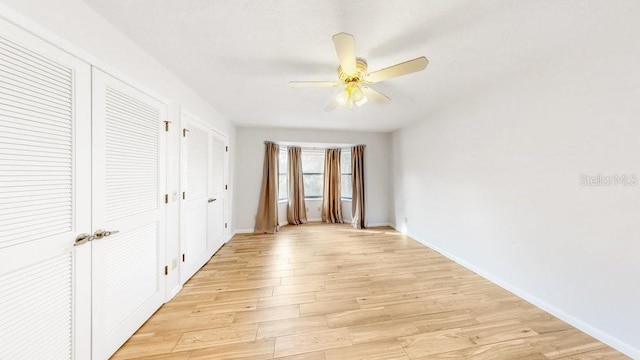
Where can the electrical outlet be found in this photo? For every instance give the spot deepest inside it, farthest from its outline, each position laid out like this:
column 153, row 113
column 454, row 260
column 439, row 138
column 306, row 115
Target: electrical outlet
column 174, row 263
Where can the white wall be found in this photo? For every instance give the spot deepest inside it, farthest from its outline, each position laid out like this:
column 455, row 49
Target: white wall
column 249, row 154
column 78, row 29
column 493, row 181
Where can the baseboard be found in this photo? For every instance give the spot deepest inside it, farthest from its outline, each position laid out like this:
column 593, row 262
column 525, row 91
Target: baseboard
column 242, row 231
column 380, row 225
column 173, row 293
column 606, row 338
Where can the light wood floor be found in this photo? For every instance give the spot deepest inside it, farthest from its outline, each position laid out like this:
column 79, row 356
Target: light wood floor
column 330, row 292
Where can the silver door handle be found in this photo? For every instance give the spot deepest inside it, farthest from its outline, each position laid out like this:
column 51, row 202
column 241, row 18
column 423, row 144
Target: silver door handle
column 99, row 234
column 211, row 200
column 83, row 238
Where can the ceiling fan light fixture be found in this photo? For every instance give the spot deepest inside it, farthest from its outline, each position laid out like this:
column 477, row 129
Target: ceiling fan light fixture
column 343, row 97
column 356, row 94
column 351, row 94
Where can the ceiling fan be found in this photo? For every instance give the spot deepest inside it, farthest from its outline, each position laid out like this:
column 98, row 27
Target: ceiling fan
column 353, row 75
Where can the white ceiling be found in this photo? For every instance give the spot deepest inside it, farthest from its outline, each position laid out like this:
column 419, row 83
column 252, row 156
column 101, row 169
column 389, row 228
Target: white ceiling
column 240, row 54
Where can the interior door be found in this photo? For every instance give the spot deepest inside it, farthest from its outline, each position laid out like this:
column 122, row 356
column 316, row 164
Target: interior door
column 196, row 170
column 128, row 213
column 45, row 193
column 217, row 189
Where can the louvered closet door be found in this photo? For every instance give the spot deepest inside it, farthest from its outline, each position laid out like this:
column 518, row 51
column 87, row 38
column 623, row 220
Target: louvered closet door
column 128, row 196
column 216, row 214
column 194, row 206
column 44, row 200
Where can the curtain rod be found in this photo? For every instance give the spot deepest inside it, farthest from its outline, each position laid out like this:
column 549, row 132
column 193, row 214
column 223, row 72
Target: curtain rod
column 315, row 147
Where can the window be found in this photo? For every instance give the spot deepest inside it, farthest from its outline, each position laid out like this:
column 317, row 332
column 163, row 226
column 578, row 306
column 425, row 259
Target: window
column 345, row 173
column 312, row 172
column 282, row 174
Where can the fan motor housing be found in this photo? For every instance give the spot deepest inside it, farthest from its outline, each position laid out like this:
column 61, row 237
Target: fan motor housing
column 361, row 72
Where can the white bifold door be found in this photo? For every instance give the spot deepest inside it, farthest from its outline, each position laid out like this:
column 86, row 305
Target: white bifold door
column 203, row 199
column 128, row 207
column 81, row 204
column 45, row 200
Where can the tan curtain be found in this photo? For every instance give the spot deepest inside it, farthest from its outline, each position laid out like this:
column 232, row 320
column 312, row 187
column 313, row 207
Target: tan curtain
column 296, row 207
column 331, row 196
column 357, row 181
column 267, row 217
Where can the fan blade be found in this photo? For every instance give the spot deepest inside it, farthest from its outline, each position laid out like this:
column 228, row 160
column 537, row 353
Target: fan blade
column 374, row 95
column 300, row 84
column 404, row 68
column 332, row 105
column 346, row 50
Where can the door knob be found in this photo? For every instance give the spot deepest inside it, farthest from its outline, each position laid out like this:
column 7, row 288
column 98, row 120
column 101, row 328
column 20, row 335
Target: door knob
column 83, row 238
column 211, row 200
column 99, row 234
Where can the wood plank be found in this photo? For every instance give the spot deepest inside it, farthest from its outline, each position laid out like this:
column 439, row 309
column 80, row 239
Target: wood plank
column 427, row 344
column 444, row 320
column 564, row 343
column 317, row 355
column 291, row 326
column 220, row 336
column 379, row 350
column 298, row 288
column 308, row 342
column 220, row 307
column 269, row 314
column 185, row 324
column 249, row 294
column 489, row 333
column 515, row 349
column 384, row 330
column 415, row 308
column 282, row 300
column 357, row 317
column 254, row 350
column 140, row 345
column 328, row 307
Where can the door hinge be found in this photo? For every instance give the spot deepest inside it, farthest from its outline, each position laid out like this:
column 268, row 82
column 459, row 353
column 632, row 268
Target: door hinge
column 226, row 187
column 182, row 257
column 166, row 198
column 166, row 269
column 184, row 132
column 184, row 195
column 225, row 225
column 166, row 125
column 226, row 149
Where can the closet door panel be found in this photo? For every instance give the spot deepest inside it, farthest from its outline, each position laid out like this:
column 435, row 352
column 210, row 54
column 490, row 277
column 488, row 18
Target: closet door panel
column 44, row 199
column 217, row 216
column 128, row 192
column 194, row 210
